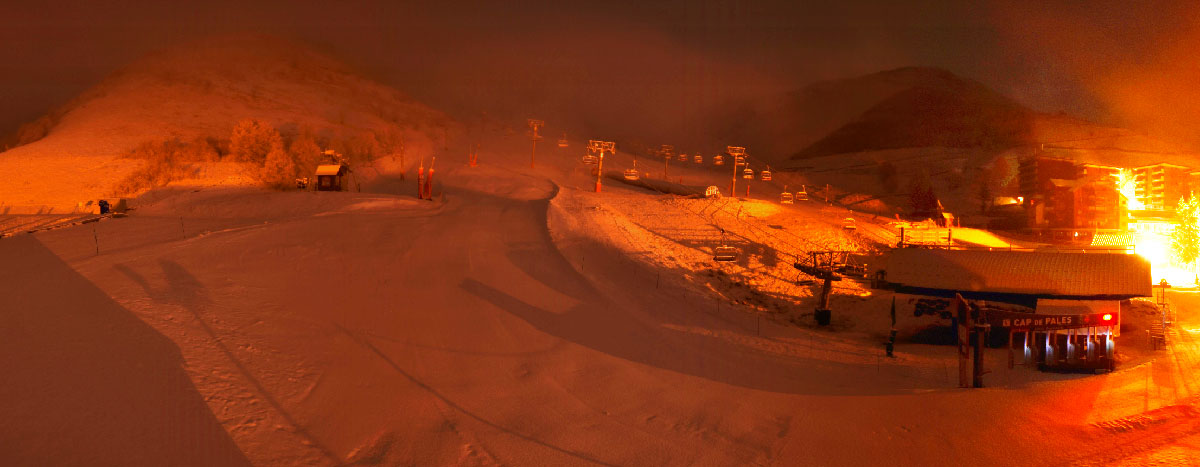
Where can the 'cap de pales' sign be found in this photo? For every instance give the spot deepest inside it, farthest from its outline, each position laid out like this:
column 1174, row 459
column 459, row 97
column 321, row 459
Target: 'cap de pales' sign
column 1041, row 322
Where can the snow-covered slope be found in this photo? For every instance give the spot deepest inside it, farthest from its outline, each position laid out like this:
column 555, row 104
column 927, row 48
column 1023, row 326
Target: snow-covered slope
column 521, row 319
column 202, row 89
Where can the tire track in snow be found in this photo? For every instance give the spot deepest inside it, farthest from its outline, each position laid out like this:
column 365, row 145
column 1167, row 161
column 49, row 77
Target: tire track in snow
column 366, row 344
column 262, row 391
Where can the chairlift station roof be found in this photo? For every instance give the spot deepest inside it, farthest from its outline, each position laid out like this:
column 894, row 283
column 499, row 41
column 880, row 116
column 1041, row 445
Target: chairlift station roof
column 1041, row 274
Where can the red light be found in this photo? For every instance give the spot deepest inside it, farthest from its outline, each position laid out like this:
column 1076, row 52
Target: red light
column 1107, row 317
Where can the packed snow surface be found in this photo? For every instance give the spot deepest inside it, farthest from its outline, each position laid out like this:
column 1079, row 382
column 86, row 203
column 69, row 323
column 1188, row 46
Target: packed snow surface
column 517, row 319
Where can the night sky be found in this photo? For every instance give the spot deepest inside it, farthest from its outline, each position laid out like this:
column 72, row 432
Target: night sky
column 596, row 64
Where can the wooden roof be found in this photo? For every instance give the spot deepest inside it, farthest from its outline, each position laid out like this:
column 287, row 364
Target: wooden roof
column 330, row 169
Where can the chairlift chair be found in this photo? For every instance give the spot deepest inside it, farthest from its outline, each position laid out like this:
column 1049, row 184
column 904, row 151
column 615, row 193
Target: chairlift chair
column 785, row 197
column 740, row 160
column 699, row 159
column 589, row 159
column 562, row 142
column 718, row 160
column 748, row 174
column 766, row 174
column 802, row 195
column 632, row 174
column 724, row 253
column 682, row 157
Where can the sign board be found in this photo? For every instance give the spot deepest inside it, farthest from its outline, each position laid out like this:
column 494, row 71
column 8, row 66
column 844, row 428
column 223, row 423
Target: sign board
column 1042, row 322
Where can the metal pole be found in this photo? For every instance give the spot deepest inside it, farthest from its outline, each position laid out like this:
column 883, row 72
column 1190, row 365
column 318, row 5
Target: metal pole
column 533, row 153
column 963, row 339
column 977, row 373
column 733, row 184
column 1011, row 357
column 534, row 125
column 599, row 170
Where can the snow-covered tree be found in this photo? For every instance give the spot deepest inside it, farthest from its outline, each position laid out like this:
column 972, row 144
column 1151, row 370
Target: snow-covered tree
column 1185, row 240
column 279, row 170
column 252, row 140
column 305, row 151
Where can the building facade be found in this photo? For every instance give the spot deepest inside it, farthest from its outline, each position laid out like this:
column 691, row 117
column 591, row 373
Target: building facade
column 1160, row 186
column 1059, row 194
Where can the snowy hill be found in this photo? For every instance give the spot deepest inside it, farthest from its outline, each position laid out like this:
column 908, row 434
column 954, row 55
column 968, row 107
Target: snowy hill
column 201, row 89
column 916, row 107
column 930, row 108
column 918, row 123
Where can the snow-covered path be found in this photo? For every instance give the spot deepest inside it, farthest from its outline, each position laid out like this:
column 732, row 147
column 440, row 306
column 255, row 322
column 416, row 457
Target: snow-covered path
column 339, row 328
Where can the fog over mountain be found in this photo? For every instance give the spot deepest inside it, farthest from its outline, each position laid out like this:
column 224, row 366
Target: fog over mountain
column 660, row 71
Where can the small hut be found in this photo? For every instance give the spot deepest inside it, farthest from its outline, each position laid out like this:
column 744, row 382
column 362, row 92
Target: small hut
column 330, row 177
